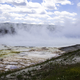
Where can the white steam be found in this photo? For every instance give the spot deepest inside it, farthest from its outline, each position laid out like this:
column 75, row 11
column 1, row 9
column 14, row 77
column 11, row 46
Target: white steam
column 42, row 35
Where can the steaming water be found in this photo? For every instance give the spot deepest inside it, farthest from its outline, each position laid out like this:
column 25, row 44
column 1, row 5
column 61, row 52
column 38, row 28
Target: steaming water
column 15, row 34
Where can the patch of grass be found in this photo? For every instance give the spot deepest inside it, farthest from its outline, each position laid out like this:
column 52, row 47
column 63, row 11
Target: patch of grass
column 15, row 52
column 1, row 55
column 67, row 72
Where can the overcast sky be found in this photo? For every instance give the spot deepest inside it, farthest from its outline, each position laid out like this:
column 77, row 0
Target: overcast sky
column 39, row 11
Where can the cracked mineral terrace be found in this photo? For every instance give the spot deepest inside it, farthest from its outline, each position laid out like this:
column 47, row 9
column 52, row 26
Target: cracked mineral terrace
column 17, row 57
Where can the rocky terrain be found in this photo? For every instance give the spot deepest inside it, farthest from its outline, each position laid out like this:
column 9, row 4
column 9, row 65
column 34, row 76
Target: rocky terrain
column 39, row 63
column 21, row 57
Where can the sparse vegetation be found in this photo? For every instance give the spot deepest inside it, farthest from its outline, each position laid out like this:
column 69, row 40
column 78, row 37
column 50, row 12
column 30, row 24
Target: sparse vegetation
column 61, row 68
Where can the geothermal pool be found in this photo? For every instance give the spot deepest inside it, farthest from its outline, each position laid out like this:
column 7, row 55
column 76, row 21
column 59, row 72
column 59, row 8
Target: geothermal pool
column 39, row 35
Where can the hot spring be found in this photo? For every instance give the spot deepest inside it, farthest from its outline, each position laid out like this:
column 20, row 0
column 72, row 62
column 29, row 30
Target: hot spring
column 21, row 34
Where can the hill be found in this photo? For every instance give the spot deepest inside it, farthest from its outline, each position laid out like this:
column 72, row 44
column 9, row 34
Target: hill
column 63, row 67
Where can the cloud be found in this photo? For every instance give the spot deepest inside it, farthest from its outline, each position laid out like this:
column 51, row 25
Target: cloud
column 15, row 2
column 62, row 17
column 0, row 11
column 53, row 4
column 78, row 4
column 24, row 11
column 19, row 4
column 63, row 2
column 33, row 5
column 49, row 4
column 64, row 13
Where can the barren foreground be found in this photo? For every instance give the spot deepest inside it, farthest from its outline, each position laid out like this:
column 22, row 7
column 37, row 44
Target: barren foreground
column 39, row 63
column 20, row 57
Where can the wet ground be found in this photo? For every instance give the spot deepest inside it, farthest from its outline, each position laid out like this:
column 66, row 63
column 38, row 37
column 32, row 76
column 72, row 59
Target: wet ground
column 20, row 57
